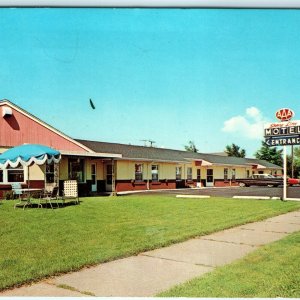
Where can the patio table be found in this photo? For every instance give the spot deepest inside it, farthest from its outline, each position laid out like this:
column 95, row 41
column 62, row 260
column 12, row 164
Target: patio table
column 28, row 199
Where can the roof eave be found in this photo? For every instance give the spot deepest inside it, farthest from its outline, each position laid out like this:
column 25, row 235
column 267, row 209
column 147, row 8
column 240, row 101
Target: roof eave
column 89, row 154
column 152, row 160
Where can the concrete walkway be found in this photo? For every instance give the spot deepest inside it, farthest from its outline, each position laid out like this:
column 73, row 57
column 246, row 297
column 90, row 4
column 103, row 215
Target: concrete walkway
column 154, row 271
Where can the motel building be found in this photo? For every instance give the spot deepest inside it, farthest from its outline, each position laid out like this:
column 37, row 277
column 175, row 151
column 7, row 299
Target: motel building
column 101, row 167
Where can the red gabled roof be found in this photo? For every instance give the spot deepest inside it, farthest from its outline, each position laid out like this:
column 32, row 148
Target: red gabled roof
column 22, row 127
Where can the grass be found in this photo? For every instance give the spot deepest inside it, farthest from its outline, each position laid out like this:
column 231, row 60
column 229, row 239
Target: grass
column 270, row 272
column 37, row 243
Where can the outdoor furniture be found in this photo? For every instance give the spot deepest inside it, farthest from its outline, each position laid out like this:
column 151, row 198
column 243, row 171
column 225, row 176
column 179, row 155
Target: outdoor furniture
column 16, row 189
column 26, row 197
column 70, row 191
column 26, row 155
column 18, row 196
column 48, row 197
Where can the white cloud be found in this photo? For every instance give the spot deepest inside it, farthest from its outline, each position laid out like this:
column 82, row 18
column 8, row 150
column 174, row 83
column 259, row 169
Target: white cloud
column 249, row 125
column 254, row 113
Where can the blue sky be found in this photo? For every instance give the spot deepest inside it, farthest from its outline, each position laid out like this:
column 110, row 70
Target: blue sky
column 170, row 75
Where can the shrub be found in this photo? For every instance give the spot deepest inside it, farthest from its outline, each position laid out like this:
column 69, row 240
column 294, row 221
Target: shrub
column 9, row 195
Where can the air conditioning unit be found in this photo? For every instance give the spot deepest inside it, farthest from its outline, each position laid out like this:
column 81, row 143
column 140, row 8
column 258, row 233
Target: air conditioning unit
column 6, row 111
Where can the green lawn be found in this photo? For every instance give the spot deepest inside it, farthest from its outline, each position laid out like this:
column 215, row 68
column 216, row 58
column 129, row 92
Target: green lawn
column 40, row 242
column 269, row 272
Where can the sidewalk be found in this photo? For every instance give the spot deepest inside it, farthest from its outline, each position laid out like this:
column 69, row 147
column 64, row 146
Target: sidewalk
column 154, row 271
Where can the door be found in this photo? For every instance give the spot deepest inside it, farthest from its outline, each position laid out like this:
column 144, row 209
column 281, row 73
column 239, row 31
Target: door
column 94, row 177
column 198, row 178
column 210, row 177
column 109, row 175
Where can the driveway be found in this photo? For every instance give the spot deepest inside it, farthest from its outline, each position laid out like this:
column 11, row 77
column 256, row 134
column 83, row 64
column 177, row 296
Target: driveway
column 292, row 192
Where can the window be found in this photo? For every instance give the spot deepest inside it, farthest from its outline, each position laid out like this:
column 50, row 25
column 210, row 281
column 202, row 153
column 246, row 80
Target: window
column 210, row 175
column 248, row 173
column 189, row 174
column 50, row 173
column 225, row 174
column 12, row 175
column 233, row 174
column 138, row 172
column 154, row 172
column 15, row 174
column 178, row 173
column 76, row 169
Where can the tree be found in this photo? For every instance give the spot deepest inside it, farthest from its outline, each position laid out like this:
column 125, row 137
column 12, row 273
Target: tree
column 191, row 147
column 296, row 163
column 270, row 154
column 235, row 150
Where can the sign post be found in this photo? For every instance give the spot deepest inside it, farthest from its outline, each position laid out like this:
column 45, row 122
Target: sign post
column 284, row 174
column 285, row 133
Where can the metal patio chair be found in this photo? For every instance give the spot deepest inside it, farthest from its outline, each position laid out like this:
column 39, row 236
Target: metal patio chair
column 49, row 197
column 18, row 195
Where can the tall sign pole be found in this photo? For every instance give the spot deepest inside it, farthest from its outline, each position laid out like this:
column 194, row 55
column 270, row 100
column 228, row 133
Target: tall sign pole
column 286, row 133
column 284, row 174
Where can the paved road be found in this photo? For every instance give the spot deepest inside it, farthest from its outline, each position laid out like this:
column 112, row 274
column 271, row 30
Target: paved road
column 293, row 192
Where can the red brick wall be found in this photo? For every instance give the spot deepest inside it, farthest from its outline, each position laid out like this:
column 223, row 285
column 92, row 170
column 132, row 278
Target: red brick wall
column 127, row 185
column 222, row 183
column 37, row 184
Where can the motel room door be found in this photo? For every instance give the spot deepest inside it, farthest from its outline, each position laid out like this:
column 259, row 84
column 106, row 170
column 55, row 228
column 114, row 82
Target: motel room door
column 209, row 177
column 198, row 177
column 94, row 177
column 108, row 177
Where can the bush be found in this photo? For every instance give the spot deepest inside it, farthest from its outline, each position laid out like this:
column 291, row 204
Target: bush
column 9, row 195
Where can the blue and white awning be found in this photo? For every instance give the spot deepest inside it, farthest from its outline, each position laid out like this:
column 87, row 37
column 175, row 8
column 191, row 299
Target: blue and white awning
column 27, row 155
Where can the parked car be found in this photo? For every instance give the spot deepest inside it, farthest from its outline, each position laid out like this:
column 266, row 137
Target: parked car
column 266, row 180
column 291, row 181
column 261, row 180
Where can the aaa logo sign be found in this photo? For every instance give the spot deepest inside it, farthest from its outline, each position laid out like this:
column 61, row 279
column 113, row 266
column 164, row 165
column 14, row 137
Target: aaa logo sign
column 284, row 114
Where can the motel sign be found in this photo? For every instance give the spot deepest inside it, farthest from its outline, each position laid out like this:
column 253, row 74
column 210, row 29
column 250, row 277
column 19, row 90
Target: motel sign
column 283, row 141
column 284, row 114
column 285, row 133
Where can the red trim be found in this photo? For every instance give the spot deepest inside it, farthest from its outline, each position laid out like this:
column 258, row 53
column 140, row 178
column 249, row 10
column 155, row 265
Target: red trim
column 33, row 184
column 128, row 185
column 36, row 184
column 222, row 183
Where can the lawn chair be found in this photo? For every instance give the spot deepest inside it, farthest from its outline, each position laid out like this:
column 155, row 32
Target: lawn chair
column 48, row 197
column 17, row 193
column 70, row 191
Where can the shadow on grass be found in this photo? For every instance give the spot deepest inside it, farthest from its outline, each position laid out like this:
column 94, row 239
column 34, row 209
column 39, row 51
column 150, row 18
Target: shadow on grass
column 47, row 205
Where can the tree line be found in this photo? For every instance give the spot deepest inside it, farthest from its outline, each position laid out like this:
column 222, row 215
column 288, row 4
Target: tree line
column 270, row 154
